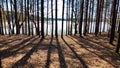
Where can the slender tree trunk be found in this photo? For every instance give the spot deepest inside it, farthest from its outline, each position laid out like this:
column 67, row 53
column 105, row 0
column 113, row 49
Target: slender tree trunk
column 76, row 18
column 12, row 30
column 101, row 15
column 72, row 16
column 33, row 17
column 86, row 17
column 97, row 17
column 69, row 17
column 1, row 25
column 16, row 18
column 113, row 21
column 38, row 30
column 28, row 17
column 62, row 18
column 42, row 18
column 47, row 17
column 5, row 24
column 117, row 14
column 3, row 15
column 25, row 18
column 8, row 18
column 89, row 17
column 92, row 18
column 52, row 17
column 22, row 16
column 56, row 25
column 81, row 17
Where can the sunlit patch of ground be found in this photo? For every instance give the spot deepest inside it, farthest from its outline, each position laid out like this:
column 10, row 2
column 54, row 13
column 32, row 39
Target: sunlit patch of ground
column 67, row 52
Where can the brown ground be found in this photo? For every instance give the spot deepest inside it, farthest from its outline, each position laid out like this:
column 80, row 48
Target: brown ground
column 68, row 52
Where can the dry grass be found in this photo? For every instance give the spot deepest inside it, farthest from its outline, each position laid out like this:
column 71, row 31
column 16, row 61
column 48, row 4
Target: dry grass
column 68, row 52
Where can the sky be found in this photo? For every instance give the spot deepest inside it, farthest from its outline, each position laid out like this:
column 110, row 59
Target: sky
column 60, row 5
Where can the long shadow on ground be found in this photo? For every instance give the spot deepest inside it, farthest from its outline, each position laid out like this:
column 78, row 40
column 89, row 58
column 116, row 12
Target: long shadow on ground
column 61, row 56
column 104, row 52
column 14, row 50
column 49, row 54
column 77, row 56
column 24, row 59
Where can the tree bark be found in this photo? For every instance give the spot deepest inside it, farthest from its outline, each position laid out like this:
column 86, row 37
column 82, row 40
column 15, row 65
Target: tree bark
column 1, row 25
column 47, row 17
column 42, row 18
column 56, row 25
column 16, row 18
column 62, row 18
column 81, row 17
column 52, row 17
column 86, row 17
column 113, row 21
column 97, row 17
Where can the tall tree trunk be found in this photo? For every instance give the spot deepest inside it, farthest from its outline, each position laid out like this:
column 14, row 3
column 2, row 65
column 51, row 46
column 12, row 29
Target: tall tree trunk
column 8, row 18
column 38, row 30
column 69, row 17
column 76, row 18
column 1, row 25
column 12, row 30
column 25, row 17
column 47, row 16
column 3, row 15
column 86, row 17
column 62, row 18
column 81, row 17
column 113, row 21
column 92, row 18
column 56, row 25
column 101, row 15
column 16, row 18
column 33, row 17
column 72, row 10
column 22, row 16
column 28, row 17
column 52, row 17
column 89, row 17
column 42, row 18
column 97, row 17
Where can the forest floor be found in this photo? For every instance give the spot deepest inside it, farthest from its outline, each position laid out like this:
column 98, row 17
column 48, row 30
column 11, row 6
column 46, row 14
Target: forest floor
column 68, row 52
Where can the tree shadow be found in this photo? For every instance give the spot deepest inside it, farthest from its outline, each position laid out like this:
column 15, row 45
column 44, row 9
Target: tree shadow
column 14, row 50
column 49, row 54
column 61, row 56
column 77, row 56
column 8, row 41
column 24, row 59
column 104, row 52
